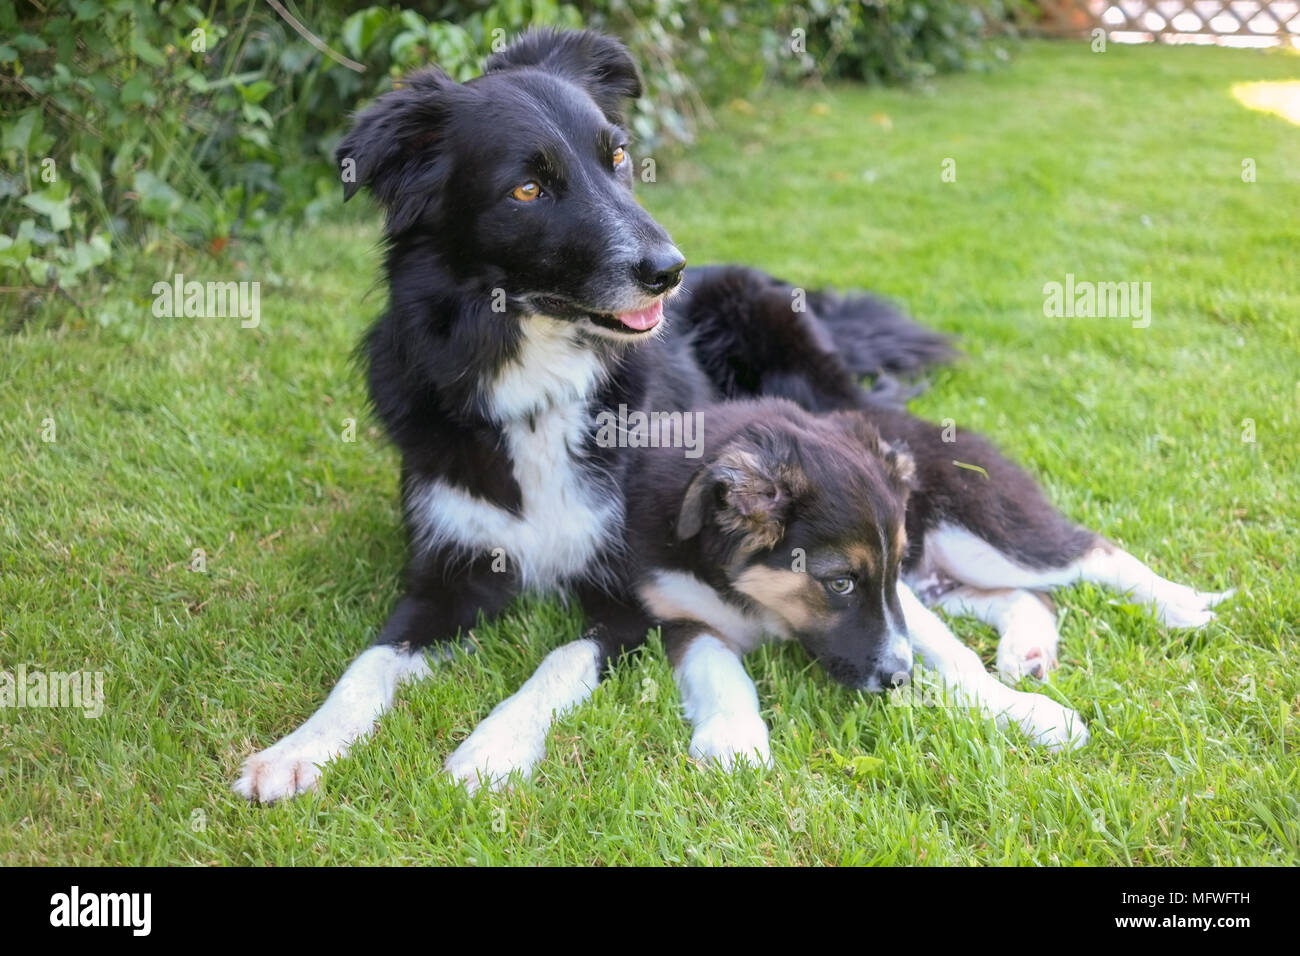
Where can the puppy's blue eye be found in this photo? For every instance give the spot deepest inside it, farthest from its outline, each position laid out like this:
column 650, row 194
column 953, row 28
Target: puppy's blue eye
column 840, row 586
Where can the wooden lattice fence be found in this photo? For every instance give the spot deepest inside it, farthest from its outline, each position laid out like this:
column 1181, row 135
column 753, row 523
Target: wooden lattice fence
column 1227, row 22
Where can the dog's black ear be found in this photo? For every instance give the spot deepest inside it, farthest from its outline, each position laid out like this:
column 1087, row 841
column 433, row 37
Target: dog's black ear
column 749, row 489
column 392, row 146
column 599, row 64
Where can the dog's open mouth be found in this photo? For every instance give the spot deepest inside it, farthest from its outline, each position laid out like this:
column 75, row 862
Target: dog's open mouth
column 642, row 320
column 630, row 324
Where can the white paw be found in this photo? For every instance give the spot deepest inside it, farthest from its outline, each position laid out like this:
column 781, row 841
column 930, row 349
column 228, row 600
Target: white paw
column 284, row 769
column 1048, row 724
column 492, row 752
column 1026, row 654
column 731, row 740
column 1183, row 607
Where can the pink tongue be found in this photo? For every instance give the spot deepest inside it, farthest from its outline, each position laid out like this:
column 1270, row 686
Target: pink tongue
column 644, row 319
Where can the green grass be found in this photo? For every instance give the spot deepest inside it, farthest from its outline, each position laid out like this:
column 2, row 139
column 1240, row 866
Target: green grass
column 194, row 433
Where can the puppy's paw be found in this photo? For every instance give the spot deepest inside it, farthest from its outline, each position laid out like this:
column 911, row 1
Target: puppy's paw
column 730, row 740
column 1048, row 724
column 1183, row 607
column 1026, row 654
column 492, row 752
column 285, row 769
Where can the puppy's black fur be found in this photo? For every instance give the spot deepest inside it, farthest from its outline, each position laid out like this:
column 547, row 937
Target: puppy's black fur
column 512, row 319
column 806, row 522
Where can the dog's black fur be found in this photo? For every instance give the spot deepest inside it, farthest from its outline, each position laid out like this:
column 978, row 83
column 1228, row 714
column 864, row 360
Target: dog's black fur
column 469, row 265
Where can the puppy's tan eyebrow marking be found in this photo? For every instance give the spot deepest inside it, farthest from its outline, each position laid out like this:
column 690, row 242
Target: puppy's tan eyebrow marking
column 860, row 556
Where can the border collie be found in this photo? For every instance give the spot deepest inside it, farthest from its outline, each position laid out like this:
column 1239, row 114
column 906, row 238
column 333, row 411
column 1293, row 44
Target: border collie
column 527, row 293
column 840, row 531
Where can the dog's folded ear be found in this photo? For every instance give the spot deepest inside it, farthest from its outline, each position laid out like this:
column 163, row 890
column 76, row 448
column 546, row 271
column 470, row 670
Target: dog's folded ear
column 600, row 64
column 900, row 466
column 391, row 147
column 749, row 490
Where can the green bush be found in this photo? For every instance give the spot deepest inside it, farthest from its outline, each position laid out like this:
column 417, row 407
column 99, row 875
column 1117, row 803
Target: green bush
column 900, row 41
column 131, row 124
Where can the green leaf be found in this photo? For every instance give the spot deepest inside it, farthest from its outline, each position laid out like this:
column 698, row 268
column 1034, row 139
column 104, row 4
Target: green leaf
column 48, row 204
column 88, row 170
column 257, row 92
column 158, row 200
column 13, row 253
column 863, row 765
column 138, row 89
column 255, row 114
column 86, row 9
column 29, row 42
column 359, row 29
column 18, row 133
column 856, row 767
column 150, row 54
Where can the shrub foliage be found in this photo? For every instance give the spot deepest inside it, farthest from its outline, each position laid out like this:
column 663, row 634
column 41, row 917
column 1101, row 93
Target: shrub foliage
column 128, row 123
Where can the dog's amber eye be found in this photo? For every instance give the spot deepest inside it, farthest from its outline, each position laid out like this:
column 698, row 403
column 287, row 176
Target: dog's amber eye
column 620, row 154
column 527, row 192
column 840, row 586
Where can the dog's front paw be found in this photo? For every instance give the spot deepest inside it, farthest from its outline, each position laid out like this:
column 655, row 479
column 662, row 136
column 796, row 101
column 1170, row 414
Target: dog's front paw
column 492, row 752
column 730, row 740
column 285, row 769
column 1048, row 724
column 1026, row 654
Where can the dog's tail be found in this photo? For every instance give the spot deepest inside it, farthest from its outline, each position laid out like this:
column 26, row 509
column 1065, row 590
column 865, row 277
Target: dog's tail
column 756, row 335
column 873, row 336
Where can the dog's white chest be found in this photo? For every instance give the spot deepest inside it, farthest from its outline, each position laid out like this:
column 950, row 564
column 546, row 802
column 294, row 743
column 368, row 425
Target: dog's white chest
column 569, row 512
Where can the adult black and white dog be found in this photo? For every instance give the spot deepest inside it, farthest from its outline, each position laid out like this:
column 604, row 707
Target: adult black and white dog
column 527, row 293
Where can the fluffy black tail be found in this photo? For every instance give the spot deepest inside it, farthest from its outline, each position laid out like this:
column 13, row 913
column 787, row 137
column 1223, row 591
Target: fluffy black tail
column 872, row 335
column 756, row 335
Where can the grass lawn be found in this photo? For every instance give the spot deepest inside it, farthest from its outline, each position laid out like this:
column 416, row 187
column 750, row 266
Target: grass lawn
column 181, row 434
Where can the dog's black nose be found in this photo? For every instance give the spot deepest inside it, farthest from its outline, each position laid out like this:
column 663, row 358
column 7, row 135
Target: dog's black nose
column 661, row 271
column 895, row 674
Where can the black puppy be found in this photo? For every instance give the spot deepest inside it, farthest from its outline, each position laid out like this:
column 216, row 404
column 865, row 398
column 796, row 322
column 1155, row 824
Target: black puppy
column 837, row 530
column 526, row 297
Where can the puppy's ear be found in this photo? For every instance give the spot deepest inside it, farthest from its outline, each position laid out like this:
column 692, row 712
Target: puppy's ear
column 749, row 490
column 900, row 466
column 599, row 64
column 393, row 147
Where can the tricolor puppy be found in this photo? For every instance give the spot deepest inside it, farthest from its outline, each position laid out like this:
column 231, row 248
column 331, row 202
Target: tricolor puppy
column 841, row 531
column 528, row 299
